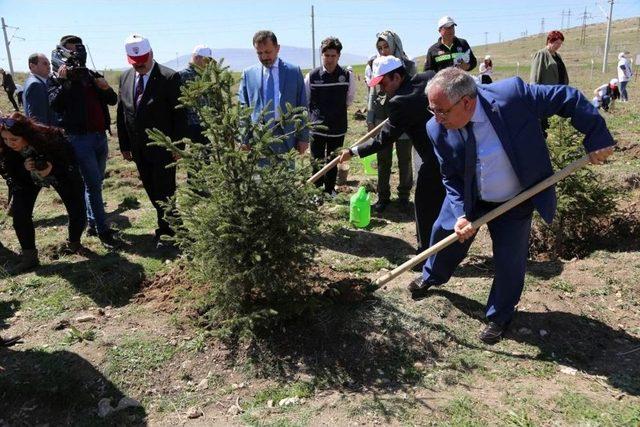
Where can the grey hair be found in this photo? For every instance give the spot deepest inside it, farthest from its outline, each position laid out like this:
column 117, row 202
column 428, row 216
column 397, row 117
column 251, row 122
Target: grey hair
column 455, row 83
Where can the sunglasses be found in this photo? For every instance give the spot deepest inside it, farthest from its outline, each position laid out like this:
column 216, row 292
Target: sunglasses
column 7, row 122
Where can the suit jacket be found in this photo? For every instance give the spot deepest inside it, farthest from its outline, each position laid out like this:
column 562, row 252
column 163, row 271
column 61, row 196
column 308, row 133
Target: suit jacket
column 35, row 99
column 157, row 109
column 515, row 109
column 407, row 114
column 292, row 91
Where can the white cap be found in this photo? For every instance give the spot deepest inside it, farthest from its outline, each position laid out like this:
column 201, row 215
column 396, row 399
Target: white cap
column 381, row 66
column 203, row 50
column 613, row 82
column 138, row 49
column 446, row 21
column 487, row 57
column 621, row 55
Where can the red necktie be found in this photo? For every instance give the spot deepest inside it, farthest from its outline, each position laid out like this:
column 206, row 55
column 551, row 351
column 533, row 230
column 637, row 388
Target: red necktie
column 139, row 90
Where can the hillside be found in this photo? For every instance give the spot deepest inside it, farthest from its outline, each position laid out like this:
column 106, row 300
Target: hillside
column 625, row 36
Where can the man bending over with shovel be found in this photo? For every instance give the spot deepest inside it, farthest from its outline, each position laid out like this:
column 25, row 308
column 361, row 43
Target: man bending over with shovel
column 490, row 147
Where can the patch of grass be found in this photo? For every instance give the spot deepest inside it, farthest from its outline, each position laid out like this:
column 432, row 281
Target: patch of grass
column 300, row 389
column 563, row 286
column 391, row 409
column 577, row 408
column 463, row 410
column 53, row 300
column 136, row 358
column 362, row 265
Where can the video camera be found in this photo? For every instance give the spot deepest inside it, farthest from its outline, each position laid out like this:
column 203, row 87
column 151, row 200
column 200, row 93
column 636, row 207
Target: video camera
column 75, row 61
column 39, row 161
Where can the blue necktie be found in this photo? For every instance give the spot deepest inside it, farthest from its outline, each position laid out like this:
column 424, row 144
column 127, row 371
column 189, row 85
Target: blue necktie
column 470, row 158
column 271, row 96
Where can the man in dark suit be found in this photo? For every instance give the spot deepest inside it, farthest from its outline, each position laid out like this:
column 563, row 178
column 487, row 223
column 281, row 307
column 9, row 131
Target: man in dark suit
column 407, row 105
column 490, row 147
column 148, row 99
column 35, row 97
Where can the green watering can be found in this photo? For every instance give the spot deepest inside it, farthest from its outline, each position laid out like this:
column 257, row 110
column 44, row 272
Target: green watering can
column 360, row 208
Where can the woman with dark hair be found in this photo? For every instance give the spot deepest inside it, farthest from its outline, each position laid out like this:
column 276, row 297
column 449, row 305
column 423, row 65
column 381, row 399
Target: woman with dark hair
column 33, row 156
column 547, row 67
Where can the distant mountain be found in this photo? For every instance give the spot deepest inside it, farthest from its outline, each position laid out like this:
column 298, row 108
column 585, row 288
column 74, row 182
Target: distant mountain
column 239, row 59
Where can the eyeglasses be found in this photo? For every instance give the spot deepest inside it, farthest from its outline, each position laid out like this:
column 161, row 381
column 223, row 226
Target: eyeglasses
column 7, row 122
column 443, row 113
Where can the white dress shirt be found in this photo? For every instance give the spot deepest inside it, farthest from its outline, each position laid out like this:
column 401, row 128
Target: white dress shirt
column 497, row 181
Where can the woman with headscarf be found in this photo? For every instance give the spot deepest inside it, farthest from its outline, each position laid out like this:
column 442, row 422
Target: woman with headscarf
column 485, row 70
column 389, row 43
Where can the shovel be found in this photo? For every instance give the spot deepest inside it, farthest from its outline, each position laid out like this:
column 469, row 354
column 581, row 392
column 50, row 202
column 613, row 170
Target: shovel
column 373, row 132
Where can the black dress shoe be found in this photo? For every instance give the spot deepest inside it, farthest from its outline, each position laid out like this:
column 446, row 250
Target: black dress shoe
column 418, row 288
column 380, row 206
column 493, row 332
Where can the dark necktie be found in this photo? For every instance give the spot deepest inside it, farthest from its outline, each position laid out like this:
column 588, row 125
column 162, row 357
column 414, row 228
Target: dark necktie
column 271, row 96
column 470, row 158
column 139, row 90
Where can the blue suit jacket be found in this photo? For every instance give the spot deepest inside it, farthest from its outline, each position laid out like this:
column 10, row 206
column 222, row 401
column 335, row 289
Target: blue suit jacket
column 292, row 91
column 514, row 109
column 35, row 99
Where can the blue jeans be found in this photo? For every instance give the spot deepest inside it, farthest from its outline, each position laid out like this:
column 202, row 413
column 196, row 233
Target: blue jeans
column 91, row 152
column 623, row 91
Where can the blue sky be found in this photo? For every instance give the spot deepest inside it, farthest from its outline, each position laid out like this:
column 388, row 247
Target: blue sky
column 176, row 26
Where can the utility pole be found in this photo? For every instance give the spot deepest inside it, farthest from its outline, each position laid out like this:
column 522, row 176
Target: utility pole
column 500, row 33
column 562, row 22
column 606, row 42
column 6, row 44
column 583, row 32
column 486, row 43
column 569, row 19
column 313, row 38
column 542, row 27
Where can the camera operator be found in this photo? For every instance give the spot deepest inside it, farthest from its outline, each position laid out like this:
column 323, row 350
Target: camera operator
column 81, row 97
column 33, row 156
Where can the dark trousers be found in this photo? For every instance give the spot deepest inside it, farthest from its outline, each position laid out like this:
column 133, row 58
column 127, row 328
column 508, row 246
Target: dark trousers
column 510, row 242
column 160, row 184
column 385, row 161
column 322, row 149
column 12, row 100
column 428, row 200
column 70, row 190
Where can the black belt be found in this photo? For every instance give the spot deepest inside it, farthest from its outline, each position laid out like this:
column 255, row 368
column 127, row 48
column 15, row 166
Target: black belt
column 488, row 205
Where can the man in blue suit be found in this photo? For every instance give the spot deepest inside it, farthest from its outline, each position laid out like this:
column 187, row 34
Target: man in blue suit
column 272, row 84
column 35, row 97
column 490, row 147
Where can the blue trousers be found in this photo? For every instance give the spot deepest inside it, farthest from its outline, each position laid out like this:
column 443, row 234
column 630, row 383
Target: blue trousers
column 91, row 152
column 510, row 242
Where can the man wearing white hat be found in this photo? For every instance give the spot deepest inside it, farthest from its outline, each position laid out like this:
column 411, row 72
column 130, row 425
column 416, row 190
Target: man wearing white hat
column 148, row 99
column 449, row 50
column 408, row 113
column 201, row 56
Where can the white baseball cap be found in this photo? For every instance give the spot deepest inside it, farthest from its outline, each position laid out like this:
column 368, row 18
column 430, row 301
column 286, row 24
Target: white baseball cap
column 138, row 49
column 203, row 50
column 487, row 57
column 446, row 21
column 381, row 66
column 613, row 82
